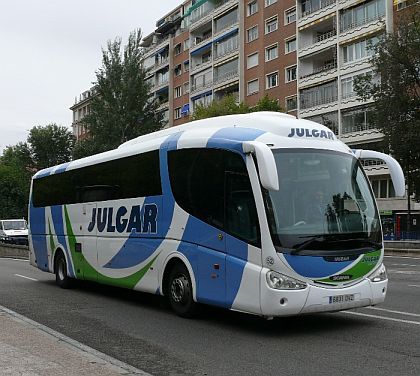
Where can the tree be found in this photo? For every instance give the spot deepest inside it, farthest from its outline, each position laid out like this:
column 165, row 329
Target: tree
column 225, row 106
column 50, row 145
column 267, row 104
column 15, row 178
column 228, row 105
column 122, row 107
column 395, row 90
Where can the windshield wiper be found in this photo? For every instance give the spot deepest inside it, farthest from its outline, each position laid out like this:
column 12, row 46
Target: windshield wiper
column 314, row 239
column 359, row 248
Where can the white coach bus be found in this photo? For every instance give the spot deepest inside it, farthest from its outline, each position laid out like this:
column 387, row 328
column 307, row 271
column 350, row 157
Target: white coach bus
column 260, row 213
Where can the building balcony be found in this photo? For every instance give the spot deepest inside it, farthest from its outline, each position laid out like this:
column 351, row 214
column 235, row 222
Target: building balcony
column 226, row 77
column 319, row 42
column 201, row 85
column 200, row 41
column 363, row 21
column 201, row 66
column 319, row 75
column 228, row 49
column 225, row 27
column 148, row 51
column 309, row 11
column 161, row 64
column 312, row 6
column 161, row 85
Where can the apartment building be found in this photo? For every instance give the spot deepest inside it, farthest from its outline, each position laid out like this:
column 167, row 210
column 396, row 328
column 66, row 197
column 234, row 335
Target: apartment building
column 206, row 49
column 80, row 109
column 304, row 53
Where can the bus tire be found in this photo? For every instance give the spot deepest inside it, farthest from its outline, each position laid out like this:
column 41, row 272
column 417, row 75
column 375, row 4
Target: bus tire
column 61, row 277
column 180, row 292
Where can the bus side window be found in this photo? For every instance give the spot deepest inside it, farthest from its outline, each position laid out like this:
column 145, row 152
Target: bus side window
column 241, row 213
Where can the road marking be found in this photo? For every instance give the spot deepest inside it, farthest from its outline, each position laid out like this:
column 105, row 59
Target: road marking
column 405, row 265
column 381, row 317
column 98, row 357
column 404, row 257
column 408, row 272
column 23, row 276
column 413, row 285
column 392, row 311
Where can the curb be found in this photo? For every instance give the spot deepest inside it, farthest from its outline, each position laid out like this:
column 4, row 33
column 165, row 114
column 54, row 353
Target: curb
column 94, row 355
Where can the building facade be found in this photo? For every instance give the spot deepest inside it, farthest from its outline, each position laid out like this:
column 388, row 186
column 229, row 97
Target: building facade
column 304, row 53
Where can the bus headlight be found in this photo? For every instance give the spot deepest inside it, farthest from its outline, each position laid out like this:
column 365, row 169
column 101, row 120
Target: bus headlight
column 283, row 282
column 379, row 275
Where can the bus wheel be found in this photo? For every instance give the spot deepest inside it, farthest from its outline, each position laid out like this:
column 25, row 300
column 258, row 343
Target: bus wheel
column 180, row 293
column 61, row 277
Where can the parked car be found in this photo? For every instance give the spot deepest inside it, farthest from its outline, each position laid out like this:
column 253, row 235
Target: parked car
column 14, row 231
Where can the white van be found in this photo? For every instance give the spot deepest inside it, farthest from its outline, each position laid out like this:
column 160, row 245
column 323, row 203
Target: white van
column 14, row 231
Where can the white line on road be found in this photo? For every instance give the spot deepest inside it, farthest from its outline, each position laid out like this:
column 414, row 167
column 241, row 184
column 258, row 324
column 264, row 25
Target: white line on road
column 404, row 257
column 408, row 272
column 406, row 265
column 382, row 317
column 392, row 311
column 23, row 276
column 413, row 285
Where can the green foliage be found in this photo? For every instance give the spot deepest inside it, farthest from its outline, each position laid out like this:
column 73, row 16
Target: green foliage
column 50, row 145
column 228, row 105
column 122, row 107
column 396, row 95
column 45, row 147
column 267, row 104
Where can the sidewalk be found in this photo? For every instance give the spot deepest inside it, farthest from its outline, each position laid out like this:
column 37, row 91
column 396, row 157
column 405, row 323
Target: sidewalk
column 31, row 349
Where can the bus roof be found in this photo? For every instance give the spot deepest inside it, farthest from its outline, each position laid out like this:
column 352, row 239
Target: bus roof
column 277, row 129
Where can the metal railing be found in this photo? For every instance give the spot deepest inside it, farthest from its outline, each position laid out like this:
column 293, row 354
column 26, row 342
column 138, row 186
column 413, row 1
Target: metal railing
column 357, row 128
column 360, row 22
column 325, row 36
column 226, row 76
column 323, row 68
column 231, row 45
column 304, row 104
column 309, row 7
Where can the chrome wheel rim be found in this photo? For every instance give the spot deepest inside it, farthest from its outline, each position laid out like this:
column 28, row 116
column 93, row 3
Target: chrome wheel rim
column 179, row 288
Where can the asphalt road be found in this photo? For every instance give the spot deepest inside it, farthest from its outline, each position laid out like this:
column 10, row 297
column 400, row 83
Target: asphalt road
column 138, row 329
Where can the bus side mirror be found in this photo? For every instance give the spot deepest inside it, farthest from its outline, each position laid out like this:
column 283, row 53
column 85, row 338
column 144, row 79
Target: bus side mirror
column 394, row 167
column 266, row 163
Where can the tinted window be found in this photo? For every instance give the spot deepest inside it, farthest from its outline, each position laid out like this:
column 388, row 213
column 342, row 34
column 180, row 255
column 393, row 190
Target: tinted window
column 135, row 176
column 213, row 185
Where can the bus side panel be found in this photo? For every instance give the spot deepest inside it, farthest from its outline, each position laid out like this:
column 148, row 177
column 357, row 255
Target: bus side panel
column 38, row 237
column 242, row 275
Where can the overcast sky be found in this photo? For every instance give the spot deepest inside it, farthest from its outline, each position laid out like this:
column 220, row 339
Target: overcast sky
column 50, row 50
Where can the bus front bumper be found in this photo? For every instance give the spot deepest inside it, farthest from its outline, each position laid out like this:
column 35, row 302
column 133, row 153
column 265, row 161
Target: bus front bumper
column 321, row 299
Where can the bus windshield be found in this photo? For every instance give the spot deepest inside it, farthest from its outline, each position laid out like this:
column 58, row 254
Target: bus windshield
column 324, row 205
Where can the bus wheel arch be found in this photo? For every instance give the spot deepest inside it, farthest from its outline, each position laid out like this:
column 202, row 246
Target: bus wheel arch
column 178, row 286
column 61, row 270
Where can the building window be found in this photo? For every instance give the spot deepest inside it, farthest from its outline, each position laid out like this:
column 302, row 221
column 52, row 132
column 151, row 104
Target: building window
column 206, row 57
column 253, row 86
column 291, row 103
column 357, row 120
column 178, row 70
column 329, row 119
column 269, row 2
column 177, row 113
column 186, row 87
column 252, row 60
column 272, row 80
column 186, row 44
column 178, row 91
column 271, row 52
column 252, row 33
column 186, row 66
column 271, row 25
column 362, row 14
column 383, row 188
column 289, row 16
column 252, row 8
column 291, row 73
column 359, row 50
column 178, row 49
column 290, row 45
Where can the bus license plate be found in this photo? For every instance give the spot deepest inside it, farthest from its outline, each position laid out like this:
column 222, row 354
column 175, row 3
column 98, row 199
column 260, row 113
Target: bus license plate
column 341, row 298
